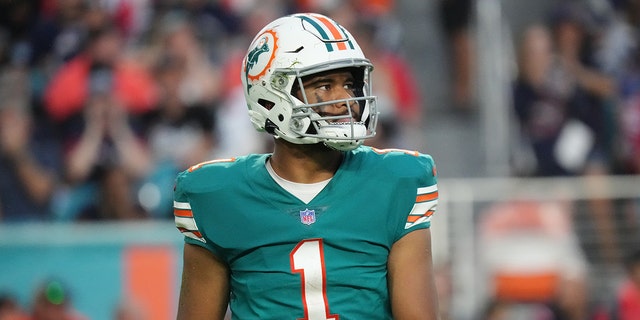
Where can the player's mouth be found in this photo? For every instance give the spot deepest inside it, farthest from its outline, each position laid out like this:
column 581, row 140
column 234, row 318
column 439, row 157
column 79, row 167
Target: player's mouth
column 344, row 120
column 340, row 118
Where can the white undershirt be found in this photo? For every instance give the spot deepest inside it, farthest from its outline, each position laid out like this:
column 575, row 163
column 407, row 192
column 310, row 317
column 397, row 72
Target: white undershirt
column 303, row 191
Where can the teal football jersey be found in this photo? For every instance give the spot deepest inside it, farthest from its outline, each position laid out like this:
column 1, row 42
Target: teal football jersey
column 323, row 260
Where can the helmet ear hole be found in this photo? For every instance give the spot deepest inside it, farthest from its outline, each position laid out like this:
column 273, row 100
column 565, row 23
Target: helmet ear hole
column 266, row 104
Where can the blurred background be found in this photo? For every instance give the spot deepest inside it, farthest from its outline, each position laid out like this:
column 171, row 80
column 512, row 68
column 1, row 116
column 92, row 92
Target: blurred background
column 531, row 110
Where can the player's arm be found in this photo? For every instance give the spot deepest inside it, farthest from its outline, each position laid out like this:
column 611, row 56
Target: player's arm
column 205, row 285
column 411, row 279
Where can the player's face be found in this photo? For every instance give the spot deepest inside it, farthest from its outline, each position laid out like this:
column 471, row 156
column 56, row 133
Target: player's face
column 332, row 86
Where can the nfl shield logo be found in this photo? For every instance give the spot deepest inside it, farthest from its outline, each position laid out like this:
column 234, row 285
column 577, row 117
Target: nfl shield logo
column 307, row 216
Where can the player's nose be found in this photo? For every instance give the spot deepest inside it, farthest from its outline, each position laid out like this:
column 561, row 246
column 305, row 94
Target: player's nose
column 343, row 100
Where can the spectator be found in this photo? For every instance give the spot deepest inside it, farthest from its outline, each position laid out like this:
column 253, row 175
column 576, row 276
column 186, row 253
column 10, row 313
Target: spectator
column 549, row 106
column 620, row 53
column 214, row 23
column 199, row 80
column 10, row 309
column 181, row 130
column 29, row 156
column 593, row 94
column 231, row 114
column 52, row 301
column 100, row 68
column 628, row 296
column 456, row 17
column 57, row 34
column 99, row 99
column 531, row 255
column 560, row 103
column 16, row 21
column 630, row 118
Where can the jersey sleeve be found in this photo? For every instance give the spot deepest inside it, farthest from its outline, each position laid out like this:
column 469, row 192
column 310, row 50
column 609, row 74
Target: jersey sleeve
column 198, row 196
column 425, row 196
column 184, row 217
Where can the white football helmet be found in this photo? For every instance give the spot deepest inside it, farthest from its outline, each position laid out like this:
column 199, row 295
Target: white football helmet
column 293, row 47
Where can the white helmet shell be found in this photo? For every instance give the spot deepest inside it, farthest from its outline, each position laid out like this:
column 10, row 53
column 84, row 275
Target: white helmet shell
column 293, row 47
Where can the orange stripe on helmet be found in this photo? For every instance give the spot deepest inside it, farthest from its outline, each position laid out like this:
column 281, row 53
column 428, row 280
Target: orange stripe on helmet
column 334, row 31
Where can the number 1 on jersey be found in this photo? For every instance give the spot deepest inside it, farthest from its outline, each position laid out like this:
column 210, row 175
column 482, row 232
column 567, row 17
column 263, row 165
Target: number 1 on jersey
column 307, row 259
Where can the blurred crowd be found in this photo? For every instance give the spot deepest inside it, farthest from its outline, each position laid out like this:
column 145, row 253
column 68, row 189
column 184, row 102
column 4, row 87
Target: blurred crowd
column 51, row 301
column 575, row 98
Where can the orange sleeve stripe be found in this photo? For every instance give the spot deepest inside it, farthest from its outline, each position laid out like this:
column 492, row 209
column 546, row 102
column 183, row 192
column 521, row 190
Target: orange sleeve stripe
column 183, row 213
column 196, row 233
column 427, row 197
column 412, row 218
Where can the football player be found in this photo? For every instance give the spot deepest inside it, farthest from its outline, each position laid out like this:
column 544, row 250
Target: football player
column 323, row 227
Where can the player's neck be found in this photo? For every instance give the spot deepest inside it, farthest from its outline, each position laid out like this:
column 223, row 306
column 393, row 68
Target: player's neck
column 304, row 163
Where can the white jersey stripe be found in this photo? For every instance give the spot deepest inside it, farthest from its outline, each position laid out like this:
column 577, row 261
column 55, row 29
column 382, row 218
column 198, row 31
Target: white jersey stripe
column 187, row 223
column 422, row 207
column 419, row 221
column 193, row 236
column 429, row 189
column 181, row 205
